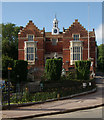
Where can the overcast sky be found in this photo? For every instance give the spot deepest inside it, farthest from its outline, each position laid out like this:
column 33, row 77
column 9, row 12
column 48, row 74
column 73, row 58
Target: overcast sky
column 43, row 13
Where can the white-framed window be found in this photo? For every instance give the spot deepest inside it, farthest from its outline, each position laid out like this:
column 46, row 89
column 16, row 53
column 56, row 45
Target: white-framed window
column 30, row 37
column 54, row 41
column 76, row 36
column 30, row 54
column 77, row 53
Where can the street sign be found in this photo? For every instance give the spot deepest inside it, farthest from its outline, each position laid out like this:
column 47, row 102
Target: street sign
column 9, row 68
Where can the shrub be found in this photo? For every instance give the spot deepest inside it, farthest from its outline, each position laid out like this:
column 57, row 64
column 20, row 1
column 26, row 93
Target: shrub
column 20, row 71
column 70, row 75
column 6, row 61
column 82, row 69
column 53, row 68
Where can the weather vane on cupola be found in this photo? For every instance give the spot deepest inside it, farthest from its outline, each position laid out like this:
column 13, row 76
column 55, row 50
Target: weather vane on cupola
column 55, row 29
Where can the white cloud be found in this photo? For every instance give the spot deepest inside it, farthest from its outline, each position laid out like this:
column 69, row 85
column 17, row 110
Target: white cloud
column 99, row 34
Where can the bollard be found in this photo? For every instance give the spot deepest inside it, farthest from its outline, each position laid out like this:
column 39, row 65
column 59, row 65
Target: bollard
column 58, row 95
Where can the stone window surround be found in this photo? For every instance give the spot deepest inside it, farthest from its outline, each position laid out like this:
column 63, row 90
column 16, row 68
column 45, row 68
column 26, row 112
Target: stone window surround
column 75, row 44
column 30, row 44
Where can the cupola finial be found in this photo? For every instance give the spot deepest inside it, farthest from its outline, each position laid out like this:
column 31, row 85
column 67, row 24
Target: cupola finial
column 55, row 15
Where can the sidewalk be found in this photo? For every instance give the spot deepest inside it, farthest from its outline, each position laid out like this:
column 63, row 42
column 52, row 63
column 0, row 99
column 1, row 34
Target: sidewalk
column 77, row 103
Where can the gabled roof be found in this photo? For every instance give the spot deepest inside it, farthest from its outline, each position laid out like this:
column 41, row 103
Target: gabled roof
column 31, row 29
column 77, row 23
column 76, row 27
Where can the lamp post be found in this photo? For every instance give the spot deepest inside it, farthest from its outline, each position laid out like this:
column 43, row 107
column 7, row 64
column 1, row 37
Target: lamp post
column 9, row 69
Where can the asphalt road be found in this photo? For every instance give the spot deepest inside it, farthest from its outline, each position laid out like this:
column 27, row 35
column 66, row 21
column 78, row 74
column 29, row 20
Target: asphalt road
column 89, row 113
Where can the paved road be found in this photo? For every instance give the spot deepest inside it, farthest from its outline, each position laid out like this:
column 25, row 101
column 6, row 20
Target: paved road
column 90, row 113
column 92, row 99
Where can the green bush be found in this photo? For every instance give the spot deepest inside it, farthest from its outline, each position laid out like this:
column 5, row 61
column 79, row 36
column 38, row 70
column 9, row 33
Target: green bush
column 70, row 75
column 6, row 61
column 100, row 61
column 82, row 69
column 53, row 68
column 20, row 71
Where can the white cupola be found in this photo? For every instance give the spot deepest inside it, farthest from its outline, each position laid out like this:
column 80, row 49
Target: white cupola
column 55, row 29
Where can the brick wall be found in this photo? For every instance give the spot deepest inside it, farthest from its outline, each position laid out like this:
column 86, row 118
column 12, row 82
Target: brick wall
column 44, row 44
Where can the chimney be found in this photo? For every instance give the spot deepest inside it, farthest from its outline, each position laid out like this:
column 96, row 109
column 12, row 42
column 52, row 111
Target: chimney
column 43, row 28
column 30, row 21
column 76, row 20
column 63, row 29
column 21, row 27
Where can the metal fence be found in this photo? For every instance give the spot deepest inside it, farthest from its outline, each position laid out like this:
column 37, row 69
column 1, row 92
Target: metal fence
column 18, row 93
column 22, row 93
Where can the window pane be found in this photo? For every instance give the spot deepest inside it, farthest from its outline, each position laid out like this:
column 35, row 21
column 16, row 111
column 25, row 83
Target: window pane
column 77, row 53
column 27, row 50
column 30, row 37
column 54, row 41
column 32, row 50
column 76, row 37
column 27, row 56
column 30, row 53
column 31, row 57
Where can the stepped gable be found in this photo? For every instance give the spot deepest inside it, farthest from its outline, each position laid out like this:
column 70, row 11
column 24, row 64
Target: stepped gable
column 76, row 27
column 31, row 29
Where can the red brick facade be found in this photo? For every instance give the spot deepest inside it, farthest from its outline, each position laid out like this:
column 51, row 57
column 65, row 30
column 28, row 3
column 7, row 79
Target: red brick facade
column 45, row 48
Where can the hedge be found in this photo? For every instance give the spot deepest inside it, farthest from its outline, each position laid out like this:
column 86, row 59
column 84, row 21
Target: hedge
column 82, row 69
column 53, row 68
column 18, row 72
column 6, row 61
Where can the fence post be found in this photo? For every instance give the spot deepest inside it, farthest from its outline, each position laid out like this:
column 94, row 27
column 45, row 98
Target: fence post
column 9, row 69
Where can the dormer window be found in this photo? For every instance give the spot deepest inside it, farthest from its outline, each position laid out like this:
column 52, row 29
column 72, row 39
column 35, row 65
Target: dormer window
column 30, row 37
column 76, row 36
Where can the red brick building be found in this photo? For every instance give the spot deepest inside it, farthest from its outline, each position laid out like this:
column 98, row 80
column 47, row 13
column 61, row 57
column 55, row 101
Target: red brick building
column 71, row 44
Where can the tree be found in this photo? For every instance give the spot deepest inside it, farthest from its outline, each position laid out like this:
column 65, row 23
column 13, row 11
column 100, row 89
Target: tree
column 10, row 40
column 101, row 57
column 5, row 62
column 20, row 71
